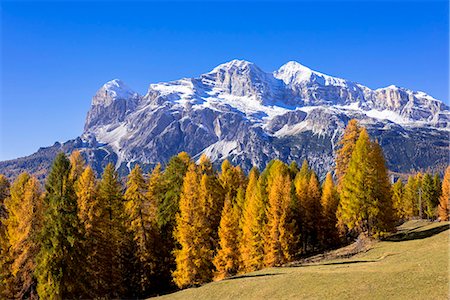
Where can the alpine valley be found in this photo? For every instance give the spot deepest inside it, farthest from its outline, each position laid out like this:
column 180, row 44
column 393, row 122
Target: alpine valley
column 242, row 113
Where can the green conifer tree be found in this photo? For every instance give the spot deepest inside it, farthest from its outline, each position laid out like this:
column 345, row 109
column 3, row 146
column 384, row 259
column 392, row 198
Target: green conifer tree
column 58, row 268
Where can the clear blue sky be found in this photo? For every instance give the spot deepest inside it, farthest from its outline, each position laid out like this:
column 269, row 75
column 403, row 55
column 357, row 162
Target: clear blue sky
column 56, row 54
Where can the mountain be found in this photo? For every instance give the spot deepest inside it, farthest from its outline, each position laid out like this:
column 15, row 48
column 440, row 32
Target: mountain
column 240, row 112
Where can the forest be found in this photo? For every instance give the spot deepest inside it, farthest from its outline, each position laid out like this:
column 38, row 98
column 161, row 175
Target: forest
column 99, row 236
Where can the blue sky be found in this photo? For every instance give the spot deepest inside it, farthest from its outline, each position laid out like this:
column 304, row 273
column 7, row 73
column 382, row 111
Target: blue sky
column 56, row 54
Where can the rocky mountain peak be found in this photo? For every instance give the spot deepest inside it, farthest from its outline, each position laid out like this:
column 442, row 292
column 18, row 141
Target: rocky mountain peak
column 113, row 90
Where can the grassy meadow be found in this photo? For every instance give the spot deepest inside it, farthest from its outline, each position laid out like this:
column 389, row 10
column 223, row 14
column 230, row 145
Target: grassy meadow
column 411, row 264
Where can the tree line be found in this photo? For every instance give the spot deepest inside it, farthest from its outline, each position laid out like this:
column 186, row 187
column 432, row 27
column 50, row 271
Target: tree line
column 188, row 224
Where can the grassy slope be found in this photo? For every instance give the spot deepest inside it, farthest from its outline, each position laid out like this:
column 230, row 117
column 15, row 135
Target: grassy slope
column 414, row 267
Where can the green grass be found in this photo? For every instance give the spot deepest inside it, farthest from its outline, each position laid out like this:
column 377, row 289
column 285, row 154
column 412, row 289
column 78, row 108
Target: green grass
column 412, row 265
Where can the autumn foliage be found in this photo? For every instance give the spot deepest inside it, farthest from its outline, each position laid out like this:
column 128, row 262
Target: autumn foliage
column 102, row 236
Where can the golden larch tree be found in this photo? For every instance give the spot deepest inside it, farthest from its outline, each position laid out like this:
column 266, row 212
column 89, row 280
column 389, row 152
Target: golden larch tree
column 226, row 260
column 444, row 207
column 194, row 256
column 252, row 224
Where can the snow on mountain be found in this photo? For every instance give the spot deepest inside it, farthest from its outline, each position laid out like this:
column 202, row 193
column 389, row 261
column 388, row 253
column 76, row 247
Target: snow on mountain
column 182, row 111
column 240, row 112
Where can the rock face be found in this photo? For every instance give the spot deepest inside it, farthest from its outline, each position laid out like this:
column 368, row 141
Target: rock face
column 239, row 112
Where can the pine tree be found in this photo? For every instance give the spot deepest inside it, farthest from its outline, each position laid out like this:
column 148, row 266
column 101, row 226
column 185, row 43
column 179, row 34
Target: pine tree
column 24, row 209
column 251, row 246
column 58, row 261
column 428, row 194
column 194, row 255
column 365, row 204
column 226, row 260
column 279, row 234
column 168, row 207
column 116, row 274
column 346, row 146
column 329, row 203
column 444, row 205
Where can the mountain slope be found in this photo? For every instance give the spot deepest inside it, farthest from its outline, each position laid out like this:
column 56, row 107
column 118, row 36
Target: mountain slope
column 240, row 112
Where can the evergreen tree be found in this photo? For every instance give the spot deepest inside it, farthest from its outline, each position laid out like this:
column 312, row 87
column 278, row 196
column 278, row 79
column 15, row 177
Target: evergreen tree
column 279, row 234
column 365, row 204
column 58, row 261
column 444, row 205
column 346, row 146
column 251, row 246
column 329, row 203
column 226, row 260
column 194, row 255
column 116, row 275
column 24, row 209
column 428, row 194
column 168, row 207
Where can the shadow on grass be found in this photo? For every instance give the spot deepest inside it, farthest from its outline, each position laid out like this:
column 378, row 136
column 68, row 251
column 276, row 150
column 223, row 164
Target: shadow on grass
column 417, row 235
column 253, row 276
column 339, row 263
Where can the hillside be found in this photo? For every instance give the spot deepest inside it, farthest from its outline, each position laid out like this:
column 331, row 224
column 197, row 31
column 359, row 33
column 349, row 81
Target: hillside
column 412, row 264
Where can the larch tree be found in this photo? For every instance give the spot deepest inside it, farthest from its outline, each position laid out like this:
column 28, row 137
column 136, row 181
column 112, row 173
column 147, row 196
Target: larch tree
column 300, row 209
column 329, row 202
column 59, row 264
column 252, row 222
column 24, row 209
column 92, row 213
column 226, row 260
column 142, row 227
column 110, row 197
column 444, row 199
column 365, row 204
column 279, row 240
column 410, row 197
column 6, row 283
column 193, row 257
column 398, row 200
column 313, row 211
column 211, row 198
column 345, row 149
column 77, row 164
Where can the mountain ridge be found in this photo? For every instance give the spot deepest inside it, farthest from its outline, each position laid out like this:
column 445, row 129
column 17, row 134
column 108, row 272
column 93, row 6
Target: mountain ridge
column 240, row 112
